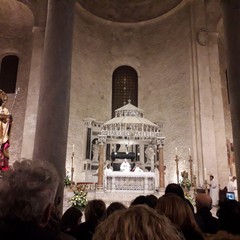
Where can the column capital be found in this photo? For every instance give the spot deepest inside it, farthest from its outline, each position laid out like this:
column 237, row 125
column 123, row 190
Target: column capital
column 160, row 141
column 102, row 139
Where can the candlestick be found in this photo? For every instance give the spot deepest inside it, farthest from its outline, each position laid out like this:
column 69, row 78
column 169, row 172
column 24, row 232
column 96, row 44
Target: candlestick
column 206, row 186
column 205, row 174
column 191, row 169
column 177, row 170
column 72, row 168
column 195, row 184
column 194, row 170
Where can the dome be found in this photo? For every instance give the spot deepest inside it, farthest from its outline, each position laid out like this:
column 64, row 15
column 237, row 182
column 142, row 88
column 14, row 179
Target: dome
column 129, row 123
column 129, row 11
column 15, row 25
column 129, row 114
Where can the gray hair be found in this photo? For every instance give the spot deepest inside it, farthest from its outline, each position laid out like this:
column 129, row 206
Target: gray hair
column 26, row 190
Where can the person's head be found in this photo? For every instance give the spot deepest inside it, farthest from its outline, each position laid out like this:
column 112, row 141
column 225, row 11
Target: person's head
column 108, row 166
column 70, row 219
column 95, row 210
column 232, row 179
column 178, row 211
column 153, row 199
column 211, row 177
column 137, row 222
column 3, row 98
column 229, row 216
column 203, row 200
column 28, row 191
column 174, row 188
column 140, row 200
column 114, row 206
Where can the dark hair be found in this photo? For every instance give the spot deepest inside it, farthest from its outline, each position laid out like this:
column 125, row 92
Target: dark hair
column 175, row 188
column 153, row 199
column 229, row 216
column 179, row 212
column 70, row 219
column 143, row 200
column 94, row 211
column 113, row 207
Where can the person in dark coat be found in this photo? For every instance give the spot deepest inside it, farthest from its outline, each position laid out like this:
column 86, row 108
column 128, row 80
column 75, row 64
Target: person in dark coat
column 203, row 216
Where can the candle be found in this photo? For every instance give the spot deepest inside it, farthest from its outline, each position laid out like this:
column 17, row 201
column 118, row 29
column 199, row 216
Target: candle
column 176, row 150
column 205, row 174
column 189, row 151
column 73, row 148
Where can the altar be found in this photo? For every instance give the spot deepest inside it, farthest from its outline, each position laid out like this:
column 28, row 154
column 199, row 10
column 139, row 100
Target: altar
column 131, row 136
column 141, row 182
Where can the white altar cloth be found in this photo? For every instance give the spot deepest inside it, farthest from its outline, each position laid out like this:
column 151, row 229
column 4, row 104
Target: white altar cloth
column 143, row 182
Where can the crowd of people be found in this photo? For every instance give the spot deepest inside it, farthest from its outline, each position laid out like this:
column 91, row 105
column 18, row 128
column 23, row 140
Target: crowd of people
column 28, row 210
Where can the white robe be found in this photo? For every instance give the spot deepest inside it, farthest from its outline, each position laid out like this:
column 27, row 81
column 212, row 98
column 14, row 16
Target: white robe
column 138, row 169
column 125, row 167
column 230, row 186
column 214, row 192
column 235, row 189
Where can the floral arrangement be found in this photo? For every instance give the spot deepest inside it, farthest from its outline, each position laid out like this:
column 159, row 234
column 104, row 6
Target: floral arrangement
column 67, row 181
column 190, row 198
column 185, row 183
column 79, row 199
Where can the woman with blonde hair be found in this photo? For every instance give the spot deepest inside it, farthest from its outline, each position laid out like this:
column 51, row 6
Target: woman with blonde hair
column 137, row 222
column 179, row 212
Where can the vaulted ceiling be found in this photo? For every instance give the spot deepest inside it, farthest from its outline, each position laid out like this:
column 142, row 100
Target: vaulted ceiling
column 129, row 11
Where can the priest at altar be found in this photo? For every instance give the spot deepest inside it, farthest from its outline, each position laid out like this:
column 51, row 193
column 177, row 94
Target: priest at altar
column 125, row 166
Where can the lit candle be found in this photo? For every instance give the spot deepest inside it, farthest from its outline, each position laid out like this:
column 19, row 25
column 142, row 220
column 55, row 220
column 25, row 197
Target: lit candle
column 205, row 174
column 176, row 150
column 73, row 148
column 189, row 151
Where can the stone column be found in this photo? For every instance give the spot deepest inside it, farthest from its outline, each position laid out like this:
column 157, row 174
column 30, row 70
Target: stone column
column 161, row 163
column 88, row 124
column 231, row 19
column 142, row 154
column 102, row 141
column 33, row 94
column 54, row 96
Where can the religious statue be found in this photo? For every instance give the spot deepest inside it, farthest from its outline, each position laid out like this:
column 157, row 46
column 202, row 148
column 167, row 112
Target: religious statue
column 95, row 150
column 149, row 152
column 185, row 183
column 5, row 128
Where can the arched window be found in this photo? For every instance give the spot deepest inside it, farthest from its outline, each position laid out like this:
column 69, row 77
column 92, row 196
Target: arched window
column 124, row 87
column 8, row 73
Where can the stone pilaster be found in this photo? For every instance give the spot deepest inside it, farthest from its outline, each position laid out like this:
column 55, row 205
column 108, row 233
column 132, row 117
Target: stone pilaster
column 231, row 19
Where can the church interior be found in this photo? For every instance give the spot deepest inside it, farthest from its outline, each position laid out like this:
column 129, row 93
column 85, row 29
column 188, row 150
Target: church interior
column 67, row 66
